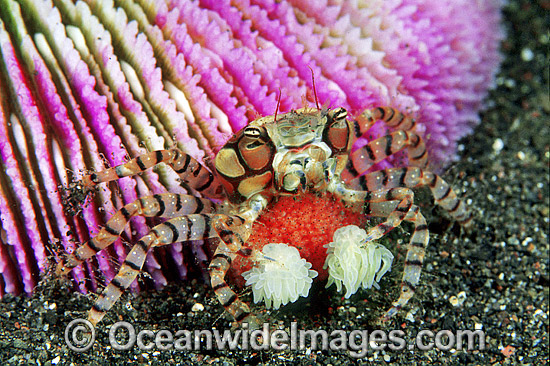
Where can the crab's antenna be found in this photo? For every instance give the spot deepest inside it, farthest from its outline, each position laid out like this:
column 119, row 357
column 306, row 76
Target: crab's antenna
column 314, row 90
column 278, row 103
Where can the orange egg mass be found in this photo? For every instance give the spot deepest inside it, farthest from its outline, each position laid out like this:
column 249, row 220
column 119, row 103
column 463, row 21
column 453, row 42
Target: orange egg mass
column 307, row 222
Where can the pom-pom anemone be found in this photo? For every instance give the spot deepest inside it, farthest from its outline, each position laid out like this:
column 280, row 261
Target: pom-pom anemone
column 280, row 276
column 353, row 262
column 86, row 84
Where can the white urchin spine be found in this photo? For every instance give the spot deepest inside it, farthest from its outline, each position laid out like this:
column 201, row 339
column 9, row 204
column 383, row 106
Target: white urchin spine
column 280, row 277
column 352, row 262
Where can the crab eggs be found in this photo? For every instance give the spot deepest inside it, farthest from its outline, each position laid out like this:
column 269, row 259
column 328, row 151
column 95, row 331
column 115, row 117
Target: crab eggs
column 306, row 238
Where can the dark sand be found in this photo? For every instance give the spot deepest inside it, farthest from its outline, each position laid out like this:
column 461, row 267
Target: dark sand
column 494, row 278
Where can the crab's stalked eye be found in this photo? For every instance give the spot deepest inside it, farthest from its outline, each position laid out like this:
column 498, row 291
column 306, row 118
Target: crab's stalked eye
column 256, row 148
column 252, row 131
column 339, row 114
column 337, row 131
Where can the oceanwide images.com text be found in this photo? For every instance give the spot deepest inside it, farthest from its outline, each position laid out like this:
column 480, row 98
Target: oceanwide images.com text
column 80, row 336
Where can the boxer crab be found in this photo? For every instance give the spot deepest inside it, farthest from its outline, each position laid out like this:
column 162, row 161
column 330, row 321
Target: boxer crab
column 307, row 150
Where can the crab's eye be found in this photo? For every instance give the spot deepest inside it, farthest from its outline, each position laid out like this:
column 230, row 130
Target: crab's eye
column 255, row 148
column 252, row 132
column 336, row 133
column 339, row 114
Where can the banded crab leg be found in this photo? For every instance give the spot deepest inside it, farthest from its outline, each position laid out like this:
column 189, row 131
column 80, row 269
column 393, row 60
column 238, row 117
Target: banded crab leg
column 166, row 205
column 234, row 232
column 231, row 245
column 177, row 229
column 412, row 177
column 404, row 196
column 396, row 204
column 390, row 116
column 377, row 150
column 190, row 171
column 413, row 260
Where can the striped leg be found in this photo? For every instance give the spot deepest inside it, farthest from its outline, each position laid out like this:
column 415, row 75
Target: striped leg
column 412, row 177
column 168, row 205
column 390, row 116
column 190, row 171
column 404, row 197
column 234, row 234
column 178, row 229
column 376, row 151
column 413, row 261
column 396, row 204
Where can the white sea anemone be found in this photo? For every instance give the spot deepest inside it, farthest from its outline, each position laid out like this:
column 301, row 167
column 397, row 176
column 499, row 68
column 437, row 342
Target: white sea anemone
column 353, row 262
column 280, row 277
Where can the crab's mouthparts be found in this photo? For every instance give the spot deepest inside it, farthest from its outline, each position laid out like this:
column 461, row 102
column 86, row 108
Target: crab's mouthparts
column 294, row 180
column 299, row 174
